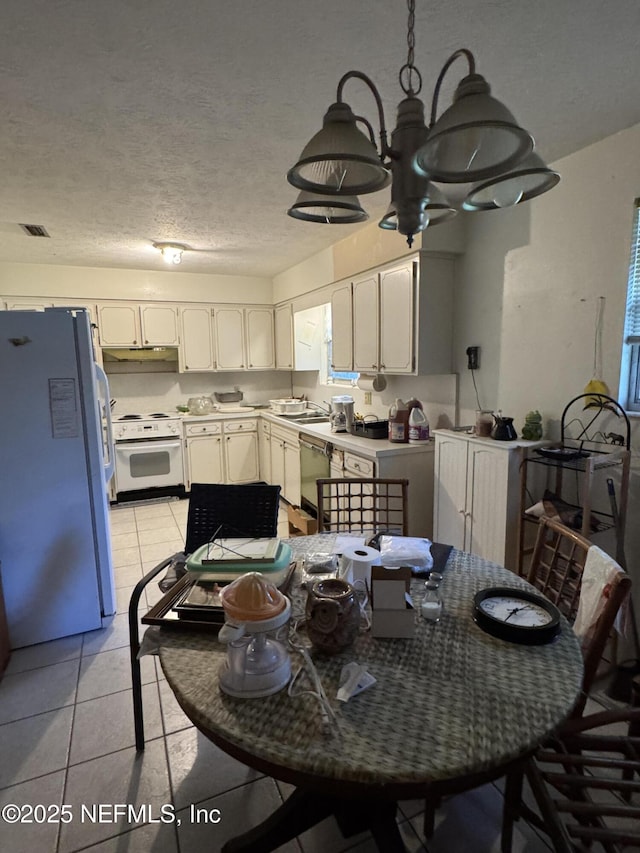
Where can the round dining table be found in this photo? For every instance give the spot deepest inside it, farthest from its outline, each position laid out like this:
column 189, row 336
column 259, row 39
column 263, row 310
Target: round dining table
column 451, row 708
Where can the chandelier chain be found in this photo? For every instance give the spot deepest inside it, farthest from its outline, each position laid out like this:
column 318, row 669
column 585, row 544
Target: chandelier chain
column 409, row 76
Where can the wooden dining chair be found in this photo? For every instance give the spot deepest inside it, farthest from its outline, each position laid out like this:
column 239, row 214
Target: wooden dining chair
column 556, row 570
column 557, row 566
column 360, row 504
column 585, row 783
column 215, row 510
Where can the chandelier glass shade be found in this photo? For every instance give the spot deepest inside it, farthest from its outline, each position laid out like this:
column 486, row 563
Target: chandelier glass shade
column 331, row 209
column 476, row 141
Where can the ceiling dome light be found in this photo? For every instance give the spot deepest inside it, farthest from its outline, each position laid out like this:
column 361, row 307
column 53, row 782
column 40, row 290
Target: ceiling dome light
column 171, row 252
column 333, row 210
column 528, row 180
column 339, row 159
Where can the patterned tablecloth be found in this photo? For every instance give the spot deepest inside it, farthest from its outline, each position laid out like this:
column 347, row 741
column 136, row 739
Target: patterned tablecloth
column 449, row 703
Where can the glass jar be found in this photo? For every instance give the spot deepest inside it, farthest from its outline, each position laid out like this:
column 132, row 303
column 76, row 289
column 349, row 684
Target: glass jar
column 431, row 607
column 484, row 422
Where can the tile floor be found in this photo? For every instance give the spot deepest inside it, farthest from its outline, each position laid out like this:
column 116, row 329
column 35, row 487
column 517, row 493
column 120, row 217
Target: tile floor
column 66, row 737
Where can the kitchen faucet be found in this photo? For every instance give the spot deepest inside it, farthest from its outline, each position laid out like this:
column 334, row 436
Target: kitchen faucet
column 320, row 408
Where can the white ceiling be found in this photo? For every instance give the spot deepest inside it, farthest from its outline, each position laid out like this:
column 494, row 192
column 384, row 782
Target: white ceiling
column 132, row 121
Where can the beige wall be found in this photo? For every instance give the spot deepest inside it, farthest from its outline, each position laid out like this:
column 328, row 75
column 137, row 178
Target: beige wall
column 139, row 285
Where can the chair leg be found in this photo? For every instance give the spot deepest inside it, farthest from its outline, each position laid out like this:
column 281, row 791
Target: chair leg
column 511, row 808
column 431, row 805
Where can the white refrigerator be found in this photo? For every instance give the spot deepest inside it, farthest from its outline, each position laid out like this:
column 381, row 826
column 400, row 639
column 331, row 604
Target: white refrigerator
column 55, row 464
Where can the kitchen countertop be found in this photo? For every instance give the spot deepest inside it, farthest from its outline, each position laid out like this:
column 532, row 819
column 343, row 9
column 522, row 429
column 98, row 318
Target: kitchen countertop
column 368, row 447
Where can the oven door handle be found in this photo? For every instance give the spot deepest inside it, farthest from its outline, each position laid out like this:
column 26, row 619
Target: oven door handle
column 136, row 444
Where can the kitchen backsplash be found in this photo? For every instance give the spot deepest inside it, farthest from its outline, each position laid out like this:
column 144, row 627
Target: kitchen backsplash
column 153, row 392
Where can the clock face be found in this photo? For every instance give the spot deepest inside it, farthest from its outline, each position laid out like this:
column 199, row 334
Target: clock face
column 516, row 615
column 515, row 611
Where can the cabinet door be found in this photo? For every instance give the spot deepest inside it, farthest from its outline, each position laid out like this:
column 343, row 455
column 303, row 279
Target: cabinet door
column 260, row 347
column 277, row 463
column 284, row 337
column 119, row 325
column 229, row 338
column 487, row 482
column 365, row 324
column 196, row 351
column 159, row 324
column 27, row 304
column 241, row 452
column 397, row 294
column 264, row 447
column 341, row 328
column 450, row 491
column 204, row 459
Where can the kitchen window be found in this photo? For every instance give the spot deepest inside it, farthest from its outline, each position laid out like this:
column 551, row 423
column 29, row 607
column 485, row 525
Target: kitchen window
column 629, row 392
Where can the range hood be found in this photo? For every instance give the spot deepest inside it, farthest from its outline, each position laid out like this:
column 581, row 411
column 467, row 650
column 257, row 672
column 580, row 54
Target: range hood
column 113, row 354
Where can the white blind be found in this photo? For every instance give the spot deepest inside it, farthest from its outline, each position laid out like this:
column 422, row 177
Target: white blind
column 632, row 321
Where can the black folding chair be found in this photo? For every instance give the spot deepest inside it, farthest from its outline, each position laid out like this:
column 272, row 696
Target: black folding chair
column 215, row 510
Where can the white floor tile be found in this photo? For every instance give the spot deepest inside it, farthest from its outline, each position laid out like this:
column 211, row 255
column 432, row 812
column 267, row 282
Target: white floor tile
column 125, row 556
column 38, row 690
column 200, row 770
column 123, row 596
column 110, row 672
column 159, row 510
column 167, row 533
column 156, row 837
column 106, row 725
column 128, row 575
column 120, row 541
column 115, row 635
column 121, row 777
column 35, row 836
column 174, row 718
column 35, row 746
column 44, row 654
column 156, row 522
column 160, row 550
column 124, row 525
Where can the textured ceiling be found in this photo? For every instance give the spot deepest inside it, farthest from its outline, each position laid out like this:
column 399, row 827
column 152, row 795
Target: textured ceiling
column 132, row 121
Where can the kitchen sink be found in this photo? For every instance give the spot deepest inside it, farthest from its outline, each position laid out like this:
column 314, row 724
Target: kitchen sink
column 311, row 419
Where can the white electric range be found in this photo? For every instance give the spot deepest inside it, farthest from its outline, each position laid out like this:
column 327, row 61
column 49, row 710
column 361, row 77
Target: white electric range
column 148, row 451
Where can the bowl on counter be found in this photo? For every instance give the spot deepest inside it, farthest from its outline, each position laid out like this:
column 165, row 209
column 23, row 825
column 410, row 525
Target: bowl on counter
column 200, row 405
column 288, row 406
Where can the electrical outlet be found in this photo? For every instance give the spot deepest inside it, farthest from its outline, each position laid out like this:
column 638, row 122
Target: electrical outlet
column 473, row 358
column 367, row 398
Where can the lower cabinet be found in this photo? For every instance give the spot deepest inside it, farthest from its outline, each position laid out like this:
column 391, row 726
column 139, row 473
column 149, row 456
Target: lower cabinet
column 285, row 463
column 476, row 495
column 222, row 452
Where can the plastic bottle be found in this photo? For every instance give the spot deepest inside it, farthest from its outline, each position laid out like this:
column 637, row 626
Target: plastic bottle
column 399, row 421
column 418, row 426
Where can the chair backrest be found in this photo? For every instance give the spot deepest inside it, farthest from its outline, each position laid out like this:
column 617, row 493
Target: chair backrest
column 557, row 566
column 363, row 505
column 244, row 511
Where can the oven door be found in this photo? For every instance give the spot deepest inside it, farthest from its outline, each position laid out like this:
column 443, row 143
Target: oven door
column 148, row 464
column 315, row 464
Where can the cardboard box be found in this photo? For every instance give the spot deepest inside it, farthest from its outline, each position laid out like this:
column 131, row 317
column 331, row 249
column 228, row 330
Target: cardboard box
column 300, row 522
column 392, row 611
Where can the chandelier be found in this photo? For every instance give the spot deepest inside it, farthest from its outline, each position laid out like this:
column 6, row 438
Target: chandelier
column 476, row 142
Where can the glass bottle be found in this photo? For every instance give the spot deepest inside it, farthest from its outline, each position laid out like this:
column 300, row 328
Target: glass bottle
column 431, row 607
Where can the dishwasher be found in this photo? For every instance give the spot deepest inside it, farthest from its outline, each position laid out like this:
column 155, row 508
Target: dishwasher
column 315, row 464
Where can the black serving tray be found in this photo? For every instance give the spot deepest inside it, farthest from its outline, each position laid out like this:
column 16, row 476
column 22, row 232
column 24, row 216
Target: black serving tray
column 370, row 429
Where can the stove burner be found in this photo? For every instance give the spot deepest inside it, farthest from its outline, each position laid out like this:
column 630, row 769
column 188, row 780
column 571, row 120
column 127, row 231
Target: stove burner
column 129, row 417
column 158, row 415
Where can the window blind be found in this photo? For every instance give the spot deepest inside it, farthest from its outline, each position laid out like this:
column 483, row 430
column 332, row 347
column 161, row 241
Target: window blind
column 632, row 321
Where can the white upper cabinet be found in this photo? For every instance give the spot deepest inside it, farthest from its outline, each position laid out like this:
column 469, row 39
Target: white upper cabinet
column 342, row 327
column 132, row 325
column 197, row 352
column 244, row 337
column 396, row 319
column 366, row 324
column 229, row 338
column 259, row 338
column 284, row 337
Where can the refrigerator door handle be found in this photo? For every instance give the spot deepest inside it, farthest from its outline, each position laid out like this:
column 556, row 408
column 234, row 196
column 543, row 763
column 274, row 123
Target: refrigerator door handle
column 109, row 462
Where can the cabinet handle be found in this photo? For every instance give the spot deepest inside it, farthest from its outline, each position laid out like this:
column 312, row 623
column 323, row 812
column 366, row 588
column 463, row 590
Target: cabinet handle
column 146, row 341
column 383, row 366
column 462, row 512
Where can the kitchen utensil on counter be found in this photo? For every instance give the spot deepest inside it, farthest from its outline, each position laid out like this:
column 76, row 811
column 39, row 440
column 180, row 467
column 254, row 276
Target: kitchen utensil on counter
column 228, row 396
column 504, row 429
column 256, row 613
column 484, row 423
column 372, row 428
column 200, row 405
column 338, row 418
column 288, row 406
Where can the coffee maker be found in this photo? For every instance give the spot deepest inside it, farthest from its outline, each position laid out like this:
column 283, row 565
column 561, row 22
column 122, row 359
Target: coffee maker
column 341, row 413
